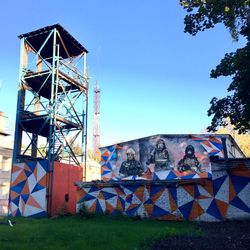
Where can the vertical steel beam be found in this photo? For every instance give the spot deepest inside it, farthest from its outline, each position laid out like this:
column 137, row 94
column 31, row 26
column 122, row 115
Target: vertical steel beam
column 20, row 100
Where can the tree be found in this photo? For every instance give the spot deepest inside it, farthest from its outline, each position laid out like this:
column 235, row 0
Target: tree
column 235, row 15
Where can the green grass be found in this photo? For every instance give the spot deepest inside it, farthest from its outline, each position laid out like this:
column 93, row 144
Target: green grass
column 95, row 233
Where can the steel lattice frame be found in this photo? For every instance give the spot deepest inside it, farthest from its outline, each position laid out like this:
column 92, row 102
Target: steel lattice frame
column 52, row 101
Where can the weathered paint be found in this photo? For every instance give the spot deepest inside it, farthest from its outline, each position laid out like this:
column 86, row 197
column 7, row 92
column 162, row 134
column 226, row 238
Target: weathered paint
column 64, row 190
column 225, row 196
column 171, row 162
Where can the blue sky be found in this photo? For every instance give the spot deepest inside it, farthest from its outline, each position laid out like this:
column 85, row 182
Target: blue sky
column 154, row 78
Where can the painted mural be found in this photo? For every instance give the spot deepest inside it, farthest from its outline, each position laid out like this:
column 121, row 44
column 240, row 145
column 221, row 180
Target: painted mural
column 224, row 196
column 28, row 188
column 160, row 157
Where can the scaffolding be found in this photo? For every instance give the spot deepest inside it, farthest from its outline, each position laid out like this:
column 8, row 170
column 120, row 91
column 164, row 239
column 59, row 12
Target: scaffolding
column 96, row 120
column 51, row 119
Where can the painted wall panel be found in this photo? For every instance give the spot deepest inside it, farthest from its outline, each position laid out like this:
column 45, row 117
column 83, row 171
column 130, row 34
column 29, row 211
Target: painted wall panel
column 28, row 188
column 224, row 196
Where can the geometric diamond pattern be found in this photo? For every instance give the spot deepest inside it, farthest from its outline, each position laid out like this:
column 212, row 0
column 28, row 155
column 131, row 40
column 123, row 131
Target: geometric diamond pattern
column 225, row 195
column 28, row 189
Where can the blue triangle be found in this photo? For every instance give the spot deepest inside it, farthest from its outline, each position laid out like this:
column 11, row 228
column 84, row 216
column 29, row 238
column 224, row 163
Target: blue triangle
column 155, row 177
column 173, row 192
column 155, row 189
column 157, row 211
column 87, row 197
column 214, row 211
column 45, row 165
column 98, row 208
column 39, row 215
column 171, row 175
column 27, row 173
column 18, row 213
column 93, row 189
column 217, row 145
column 19, row 187
column 111, row 148
column 25, row 197
column 105, row 172
column 132, row 211
column 186, row 209
column 16, row 200
column 129, row 198
column 239, row 182
column 217, row 183
column 105, row 158
column 237, row 202
column 37, row 188
column 196, row 191
column 31, row 165
column 113, row 156
column 107, row 195
column 108, row 165
column 122, row 202
column 148, row 201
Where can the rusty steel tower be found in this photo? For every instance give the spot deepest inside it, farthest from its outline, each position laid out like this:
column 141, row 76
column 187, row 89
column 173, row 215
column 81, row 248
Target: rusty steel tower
column 96, row 119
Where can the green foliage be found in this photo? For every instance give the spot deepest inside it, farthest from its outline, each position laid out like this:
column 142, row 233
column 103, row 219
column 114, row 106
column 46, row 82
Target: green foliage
column 73, row 232
column 235, row 15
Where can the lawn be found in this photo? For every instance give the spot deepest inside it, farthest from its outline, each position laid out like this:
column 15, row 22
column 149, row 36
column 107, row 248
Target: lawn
column 75, row 232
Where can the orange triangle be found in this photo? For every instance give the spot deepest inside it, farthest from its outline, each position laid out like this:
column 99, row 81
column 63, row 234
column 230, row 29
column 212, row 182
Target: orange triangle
column 172, row 203
column 203, row 175
column 21, row 177
column 79, row 194
column 32, row 202
column 222, row 206
column 197, row 211
column 43, row 181
column 27, row 168
column 118, row 191
column 92, row 208
column 208, row 186
column 232, row 193
column 109, row 208
column 119, row 206
column 189, row 189
column 207, row 143
column 35, row 172
column 149, row 209
column 13, row 195
column 100, row 196
column 22, row 204
column 16, row 168
column 26, row 189
column 156, row 196
column 140, row 193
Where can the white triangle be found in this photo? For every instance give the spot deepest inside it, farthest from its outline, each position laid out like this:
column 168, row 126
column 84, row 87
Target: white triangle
column 40, row 197
column 218, row 174
column 163, row 201
column 223, row 193
column 15, row 175
column 30, row 210
column 135, row 200
column 32, row 182
column 89, row 203
column 162, row 175
column 203, row 191
column 110, row 190
column 206, row 217
column 236, row 213
column 244, row 194
column 13, row 207
column 40, row 172
column 205, row 203
column 183, row 197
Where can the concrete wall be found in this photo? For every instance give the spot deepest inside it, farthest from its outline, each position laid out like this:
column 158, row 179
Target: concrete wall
column 225, row 196
column 164, row 157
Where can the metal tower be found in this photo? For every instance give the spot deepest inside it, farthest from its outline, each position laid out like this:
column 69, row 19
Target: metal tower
column 96, row 120
column 52, row 97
